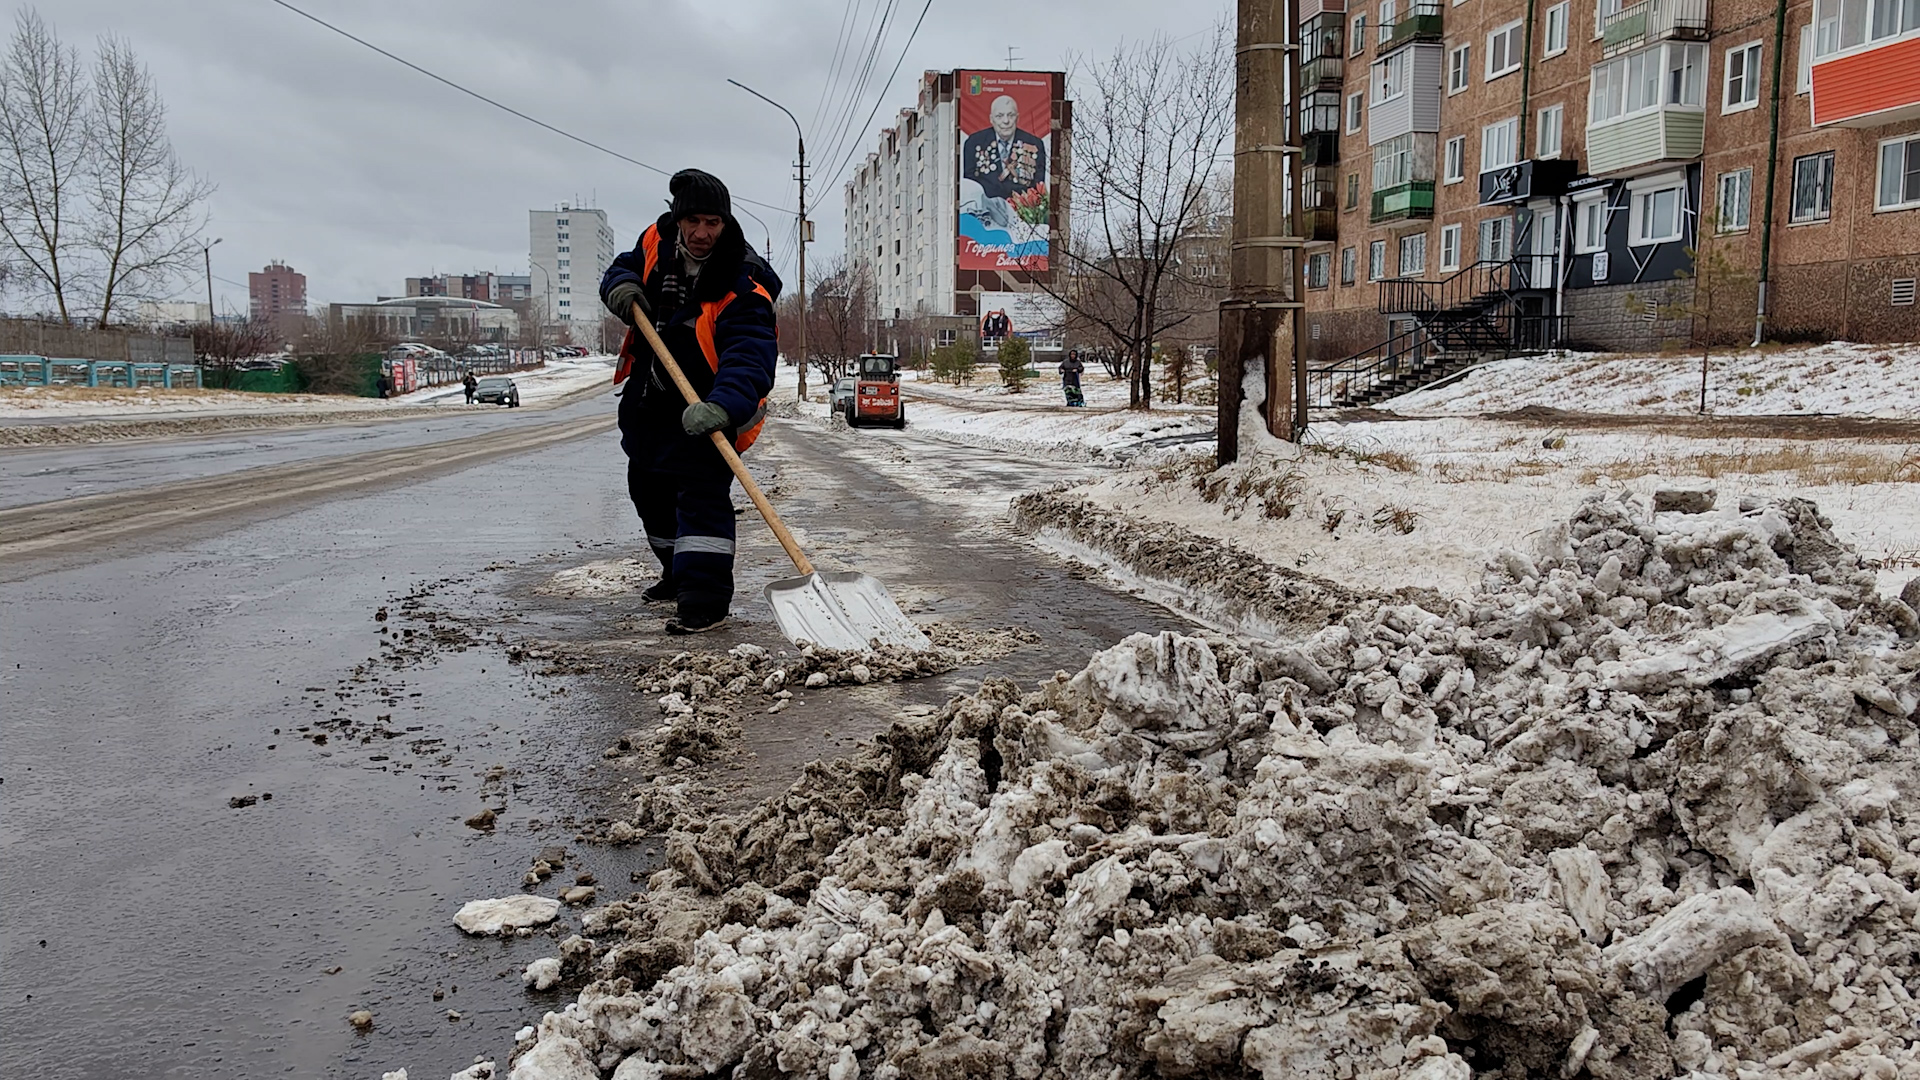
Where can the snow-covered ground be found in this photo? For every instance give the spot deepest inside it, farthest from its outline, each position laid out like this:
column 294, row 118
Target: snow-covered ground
column 1424, row 501
column 557, row 379
column 1840, row 378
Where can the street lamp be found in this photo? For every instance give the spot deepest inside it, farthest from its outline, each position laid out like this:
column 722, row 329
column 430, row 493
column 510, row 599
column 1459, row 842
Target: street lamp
column 763, row 228
column 546, row 299
column 803, row 227
column 206, row 252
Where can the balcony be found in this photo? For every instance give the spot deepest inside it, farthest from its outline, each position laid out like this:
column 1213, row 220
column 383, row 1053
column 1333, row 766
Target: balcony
column 1672, row 133
column 1422, row 23
column 1322, row 71
column 1321, row 148
column 1879, row 84
column 1651, row 21
column 1320, row 223
column 1410, row 200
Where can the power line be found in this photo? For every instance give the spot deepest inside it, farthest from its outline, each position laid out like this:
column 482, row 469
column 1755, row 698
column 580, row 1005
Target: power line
column 482, row 97
column 841, row 126
column 834, row 176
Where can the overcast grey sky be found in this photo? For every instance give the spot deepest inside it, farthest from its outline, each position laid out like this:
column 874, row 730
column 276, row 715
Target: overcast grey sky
column 360, row 173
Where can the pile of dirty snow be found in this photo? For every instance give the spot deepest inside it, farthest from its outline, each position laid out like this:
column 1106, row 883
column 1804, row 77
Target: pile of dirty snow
column 1643, row 805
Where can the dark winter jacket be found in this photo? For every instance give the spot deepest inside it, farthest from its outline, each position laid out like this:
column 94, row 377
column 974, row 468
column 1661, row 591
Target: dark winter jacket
column 722, row 334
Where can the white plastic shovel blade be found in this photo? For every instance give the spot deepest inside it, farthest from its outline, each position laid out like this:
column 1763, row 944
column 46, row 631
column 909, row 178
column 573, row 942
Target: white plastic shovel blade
column 845, row 611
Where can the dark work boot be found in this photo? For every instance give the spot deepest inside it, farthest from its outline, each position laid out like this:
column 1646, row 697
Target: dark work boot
column 696, row 622
column 663, row 591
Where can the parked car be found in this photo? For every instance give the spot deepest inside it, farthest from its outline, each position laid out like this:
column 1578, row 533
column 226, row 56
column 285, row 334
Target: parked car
column 497, row 390
column 841, row 401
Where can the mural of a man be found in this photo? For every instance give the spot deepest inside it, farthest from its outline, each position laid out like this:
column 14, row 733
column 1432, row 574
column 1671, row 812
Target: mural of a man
column 1003, row 159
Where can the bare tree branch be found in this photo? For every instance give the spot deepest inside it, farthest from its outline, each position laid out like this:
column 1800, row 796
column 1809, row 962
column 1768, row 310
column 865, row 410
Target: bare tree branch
column 43, row 148
column 146, row 207
column 1147, row 142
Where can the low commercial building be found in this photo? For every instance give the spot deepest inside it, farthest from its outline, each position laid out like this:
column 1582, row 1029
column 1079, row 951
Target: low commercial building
column 432, row 318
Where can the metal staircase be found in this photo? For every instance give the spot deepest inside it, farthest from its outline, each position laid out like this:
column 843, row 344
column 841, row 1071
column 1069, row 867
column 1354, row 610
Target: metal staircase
column 1489, row 310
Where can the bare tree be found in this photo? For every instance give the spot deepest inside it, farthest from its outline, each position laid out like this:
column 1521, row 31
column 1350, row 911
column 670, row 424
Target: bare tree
column 43, row 151
column 95, row 210
column 840, row 318
column 147, row 207
column 1147, row 143
column 340, row 356
column 225, row 348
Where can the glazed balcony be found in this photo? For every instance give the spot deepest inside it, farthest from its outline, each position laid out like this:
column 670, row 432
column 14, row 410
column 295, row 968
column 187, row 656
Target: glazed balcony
column 1413, row 199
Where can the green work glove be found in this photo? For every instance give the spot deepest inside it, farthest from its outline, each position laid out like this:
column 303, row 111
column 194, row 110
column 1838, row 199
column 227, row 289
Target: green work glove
column 704, row 416
column 622, row 297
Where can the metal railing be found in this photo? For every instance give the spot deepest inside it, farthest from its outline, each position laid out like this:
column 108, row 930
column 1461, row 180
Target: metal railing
column 1422, row 20
column 1413, row 199
column 1340, row 384
column 1419, row 355
column 29, row 370
column 1471, row 285
column 1653, row 20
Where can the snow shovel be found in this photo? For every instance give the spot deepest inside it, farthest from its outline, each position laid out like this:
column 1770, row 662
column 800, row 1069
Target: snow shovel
column 847, row 611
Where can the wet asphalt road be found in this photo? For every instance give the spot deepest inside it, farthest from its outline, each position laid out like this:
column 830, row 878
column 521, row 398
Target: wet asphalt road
column 155, row 931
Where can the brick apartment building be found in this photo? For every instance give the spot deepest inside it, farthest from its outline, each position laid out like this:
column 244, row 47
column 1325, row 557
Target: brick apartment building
column 277, row 295
column 1556, row 169
column 494, row 288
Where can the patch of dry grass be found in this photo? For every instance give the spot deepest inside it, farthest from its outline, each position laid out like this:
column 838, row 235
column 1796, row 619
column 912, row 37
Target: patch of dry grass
column 1809, row 463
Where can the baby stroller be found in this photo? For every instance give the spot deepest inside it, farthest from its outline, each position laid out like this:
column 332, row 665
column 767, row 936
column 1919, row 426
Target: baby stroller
column 1075, row 399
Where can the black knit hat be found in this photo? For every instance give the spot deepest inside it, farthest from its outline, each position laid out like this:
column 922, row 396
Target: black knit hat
column 696, row 192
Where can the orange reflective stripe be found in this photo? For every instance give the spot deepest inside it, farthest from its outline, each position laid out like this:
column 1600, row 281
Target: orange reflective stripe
column 747, row 437
column 626, row 359
column 704, row 326
column 650, row 247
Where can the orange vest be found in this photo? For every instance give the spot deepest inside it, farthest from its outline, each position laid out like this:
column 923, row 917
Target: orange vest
column 703, row 329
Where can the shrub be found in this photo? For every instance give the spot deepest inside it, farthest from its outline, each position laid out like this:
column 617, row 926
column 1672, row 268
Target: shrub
column 1015, row 355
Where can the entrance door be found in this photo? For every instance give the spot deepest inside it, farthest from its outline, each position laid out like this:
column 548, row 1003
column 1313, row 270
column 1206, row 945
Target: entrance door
column 1545, row 248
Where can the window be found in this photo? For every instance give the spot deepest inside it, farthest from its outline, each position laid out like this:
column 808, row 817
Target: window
column 1844, row 24
column 1639, row 82
column 1390, row 76
column 1356, row 110
column 563, row 247
column 1602, row 9
column 1496, row 144
column 1413, row 255
column 1387, row 11
column 559, row 221
column 1346, row 266
column 1743, row 78
column 1450, row 248
column 1546, row 143
column 1353, row 190
column 1376, row 260
column 1899, row 174
column 1655, row 215
column 1318, row 264
column 1456, row 159
column 1812, row 188
column 1557, row 29
column 1357, row 43
column 563, row 236
column 1503, row 49
column 1459, row 68
column 1590, row 226
column 566, row 262
column 1803, row 79
column 1495, row 240
column 1393, row 163
column 1733, row 206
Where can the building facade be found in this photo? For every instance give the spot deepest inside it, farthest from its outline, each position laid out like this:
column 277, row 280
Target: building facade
column 569, row 248
column 1603, row 169
column 904, row 203
column 435, row 318
column 277, row 294
column 494, row 288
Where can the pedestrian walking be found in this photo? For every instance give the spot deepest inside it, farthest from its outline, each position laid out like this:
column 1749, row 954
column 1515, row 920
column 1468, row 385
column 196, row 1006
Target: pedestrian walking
column 711, row 299
column 469, row 383
column 1070, row 371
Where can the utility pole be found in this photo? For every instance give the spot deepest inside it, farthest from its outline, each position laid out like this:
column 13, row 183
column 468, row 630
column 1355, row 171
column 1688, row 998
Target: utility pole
column 206, row 252
column 1260, row 319
column 806, row 232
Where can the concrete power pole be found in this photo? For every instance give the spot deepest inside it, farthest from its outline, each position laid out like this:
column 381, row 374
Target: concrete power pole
column 806, row 227
column 1260, row 321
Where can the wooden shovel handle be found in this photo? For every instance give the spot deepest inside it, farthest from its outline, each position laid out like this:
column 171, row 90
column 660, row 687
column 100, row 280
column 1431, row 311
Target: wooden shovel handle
column 800, row 561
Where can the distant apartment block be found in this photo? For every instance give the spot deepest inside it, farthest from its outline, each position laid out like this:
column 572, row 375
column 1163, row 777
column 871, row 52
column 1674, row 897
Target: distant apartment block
column 494, row 288
column 275, row 293
column 568, row 249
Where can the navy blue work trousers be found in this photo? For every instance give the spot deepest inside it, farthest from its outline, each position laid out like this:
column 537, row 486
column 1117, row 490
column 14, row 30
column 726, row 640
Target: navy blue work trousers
column 682, row 489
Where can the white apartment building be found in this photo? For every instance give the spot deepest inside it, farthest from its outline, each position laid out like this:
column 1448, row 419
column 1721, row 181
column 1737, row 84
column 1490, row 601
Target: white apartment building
column 900, row 207
column 569, row 248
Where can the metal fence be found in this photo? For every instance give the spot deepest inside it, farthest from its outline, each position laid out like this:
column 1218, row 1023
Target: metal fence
column 17, row 370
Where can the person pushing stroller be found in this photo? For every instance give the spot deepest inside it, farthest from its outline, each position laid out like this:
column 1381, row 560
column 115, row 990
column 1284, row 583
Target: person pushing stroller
column 1070, row 370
